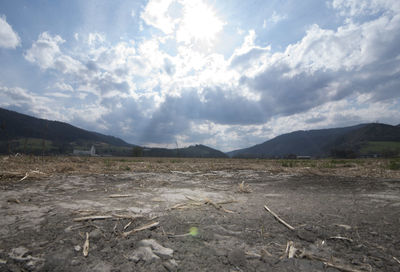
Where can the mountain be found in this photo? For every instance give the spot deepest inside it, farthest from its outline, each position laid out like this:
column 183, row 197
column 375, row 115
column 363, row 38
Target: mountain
column 20, row 129
column 16, row 125
column 26, row 134
column 351, row 141
column 194, row 151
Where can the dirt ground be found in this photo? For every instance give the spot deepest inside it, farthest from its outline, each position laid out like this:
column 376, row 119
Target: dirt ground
column 197, row 215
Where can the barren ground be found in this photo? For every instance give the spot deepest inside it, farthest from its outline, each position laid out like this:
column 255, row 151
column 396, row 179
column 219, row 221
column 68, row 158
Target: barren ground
column 192, row 215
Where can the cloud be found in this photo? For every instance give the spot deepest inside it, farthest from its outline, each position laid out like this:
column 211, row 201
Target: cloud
column 156, row 14
column 354, row 8
column 8, row 37
column 45, row 50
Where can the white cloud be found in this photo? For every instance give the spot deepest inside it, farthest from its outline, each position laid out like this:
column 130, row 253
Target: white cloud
column 45, row 50
column 95, row 39
column 156, row 14
column 365, row 7
column 63, row 86
column 46, row 53
column 8, row 38
column 276, row 17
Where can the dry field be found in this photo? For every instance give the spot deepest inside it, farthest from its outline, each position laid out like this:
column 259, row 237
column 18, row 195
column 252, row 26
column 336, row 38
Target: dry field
column 174, row 214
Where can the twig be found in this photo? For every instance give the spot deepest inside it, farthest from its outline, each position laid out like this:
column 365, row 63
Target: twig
column 218, row 207
column 148, row 226
column 341, row 238
column 94, row 217
column 279, row 219
column 86, row 246
column 26, row 175
column 327, row 263
column 119, row 196
column 123, row 216
column 127, row 225
column 397, row 260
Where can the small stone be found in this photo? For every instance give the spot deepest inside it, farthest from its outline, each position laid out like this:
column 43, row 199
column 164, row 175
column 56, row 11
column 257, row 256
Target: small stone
column 77, row 248
column 171, row 265
column 158, row 249
column 143, row 253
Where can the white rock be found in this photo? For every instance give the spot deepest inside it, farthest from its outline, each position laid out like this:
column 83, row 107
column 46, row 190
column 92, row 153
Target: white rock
column 158, row 249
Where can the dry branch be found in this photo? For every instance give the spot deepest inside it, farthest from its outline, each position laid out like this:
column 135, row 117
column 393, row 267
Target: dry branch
column 119, row 196
column 341, row 238
column 26, row 175
column 397, row 260
column 127, row 216
column 94, row 217
column 218, row 207
column 279, row 219
column 244, row 188
column 86, row 246
column 145, row 227
column 328, row 263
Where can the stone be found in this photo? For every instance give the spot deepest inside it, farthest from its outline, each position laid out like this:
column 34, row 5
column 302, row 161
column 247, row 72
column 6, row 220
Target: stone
column 157, row 249
column 143, row 253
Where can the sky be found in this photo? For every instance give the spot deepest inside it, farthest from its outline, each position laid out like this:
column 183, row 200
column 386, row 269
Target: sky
column 225, row 73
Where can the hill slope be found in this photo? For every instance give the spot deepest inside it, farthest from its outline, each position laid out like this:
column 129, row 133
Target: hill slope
column 342, row 142
column 194, row 151
column 16, row 125
column 27, row 134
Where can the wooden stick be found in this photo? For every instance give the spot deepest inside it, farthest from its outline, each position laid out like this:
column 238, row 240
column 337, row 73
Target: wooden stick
column 279, row 219
column 145, row 227
column 218, row 207
column 397, row 260
column 341, row 238
column 118, row 196
column 94, row 217
column 123, row 216
column 26, row 175
column 86, row 246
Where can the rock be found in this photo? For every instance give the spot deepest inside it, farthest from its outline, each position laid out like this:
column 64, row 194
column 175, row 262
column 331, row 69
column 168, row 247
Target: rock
column 158, row 249
column 171, row 265
column 77, row 248
column 143, row 253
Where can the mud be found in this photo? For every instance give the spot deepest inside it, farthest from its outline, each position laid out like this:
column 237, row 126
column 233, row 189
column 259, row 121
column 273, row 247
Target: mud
column 204, row 218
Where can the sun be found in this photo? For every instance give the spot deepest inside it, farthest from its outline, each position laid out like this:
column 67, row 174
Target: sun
column 199, row 23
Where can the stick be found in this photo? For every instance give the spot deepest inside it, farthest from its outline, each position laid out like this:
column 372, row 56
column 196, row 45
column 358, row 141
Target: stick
column 117, row 196
column 327, row 263
column 127, row 225
column 145, row 227
column 86, row 246
column 26, row 175
column 218, row 207
column 279, row 219
column 94, row 217
column 127, row 216
column 341, row 238
column 397, row 260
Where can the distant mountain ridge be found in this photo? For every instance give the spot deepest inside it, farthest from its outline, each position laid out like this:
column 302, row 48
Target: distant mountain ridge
column 18, row 125
column 26, row 134
column 348, row 141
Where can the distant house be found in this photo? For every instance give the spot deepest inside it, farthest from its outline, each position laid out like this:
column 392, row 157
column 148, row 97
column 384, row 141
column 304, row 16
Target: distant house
column 91, row 152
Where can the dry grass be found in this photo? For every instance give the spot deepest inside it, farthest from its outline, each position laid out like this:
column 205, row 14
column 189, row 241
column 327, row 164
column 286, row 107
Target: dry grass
column 15, row 168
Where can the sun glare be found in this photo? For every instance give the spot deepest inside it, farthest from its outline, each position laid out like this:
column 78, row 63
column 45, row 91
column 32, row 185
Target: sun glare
column 199, row 23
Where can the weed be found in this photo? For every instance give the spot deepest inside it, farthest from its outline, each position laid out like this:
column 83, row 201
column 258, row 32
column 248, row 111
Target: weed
column 394, row 165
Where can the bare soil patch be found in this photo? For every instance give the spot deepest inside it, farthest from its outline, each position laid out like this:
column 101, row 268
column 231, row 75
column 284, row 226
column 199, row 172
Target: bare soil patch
column 197, row 215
